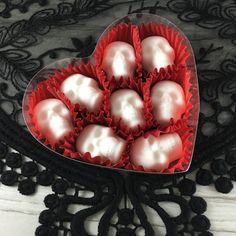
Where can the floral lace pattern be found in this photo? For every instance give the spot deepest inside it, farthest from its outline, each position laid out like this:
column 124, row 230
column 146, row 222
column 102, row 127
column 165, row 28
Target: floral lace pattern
column 32, row 41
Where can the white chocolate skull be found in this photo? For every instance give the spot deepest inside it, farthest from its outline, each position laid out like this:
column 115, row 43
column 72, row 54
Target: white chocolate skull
column 156, row 153
column 168, row 101
column 119, row 60
column 82, row 90
column 127, row 105
column 53, row 119
column 100, row 141
column 156, row 53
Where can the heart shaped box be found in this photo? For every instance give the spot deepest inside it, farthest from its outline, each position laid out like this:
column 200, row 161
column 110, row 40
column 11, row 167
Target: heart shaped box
column 139, row 20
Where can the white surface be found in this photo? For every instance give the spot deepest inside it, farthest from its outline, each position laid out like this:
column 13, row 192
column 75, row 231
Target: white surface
column 19, row 214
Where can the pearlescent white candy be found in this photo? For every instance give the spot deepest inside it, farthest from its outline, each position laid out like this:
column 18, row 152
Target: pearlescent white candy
column 168, row 101
column 156, row 153
column 119, row 60
column 156, row 53
column 82, row 90
column 53, row 119
column 127, row 105
column 100, row 141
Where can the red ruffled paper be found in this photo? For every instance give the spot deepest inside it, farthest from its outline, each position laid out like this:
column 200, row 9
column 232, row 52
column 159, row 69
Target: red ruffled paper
column 185, row 134
column 69, row 149
column 41, row 93
column 174, row 38
column 142, row 89
column 125, row 32
column 181, row 75
column 88, row 70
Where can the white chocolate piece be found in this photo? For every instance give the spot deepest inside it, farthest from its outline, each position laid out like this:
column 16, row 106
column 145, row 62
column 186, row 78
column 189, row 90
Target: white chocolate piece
column 119, row 60
column 156, row 153
column 53, row 119
column 168, row 101
column 100, row 141
column 156, row 53
column 82, row 90
column 127, row 105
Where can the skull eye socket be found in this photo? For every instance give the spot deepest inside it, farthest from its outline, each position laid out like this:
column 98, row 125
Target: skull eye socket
column 159, row 46
column 130, row 101
column 173, row 95
column 58, row 109
column 79, row 82
column 71, row 94
column 151, row 140
column 119, row 106
column 148, row 51
column 43, row 116
column 125, row 53
column 97, row 133
column 91, row 147
column 161, row 94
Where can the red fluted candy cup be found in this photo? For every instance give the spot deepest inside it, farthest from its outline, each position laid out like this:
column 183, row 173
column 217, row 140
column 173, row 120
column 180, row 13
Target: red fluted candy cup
column 182, row 76
column 174, row 37
column 69, row 150
column 37, row 95
column 179, row 165
column 125, row 32
column 86, row 69
column 142, row 89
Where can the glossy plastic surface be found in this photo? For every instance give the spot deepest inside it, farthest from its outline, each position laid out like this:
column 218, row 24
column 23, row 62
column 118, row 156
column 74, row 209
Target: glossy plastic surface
column 136, row 19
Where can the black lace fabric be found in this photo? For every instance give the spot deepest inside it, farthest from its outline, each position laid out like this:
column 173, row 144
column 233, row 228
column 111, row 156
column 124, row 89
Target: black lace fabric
column 32, row 35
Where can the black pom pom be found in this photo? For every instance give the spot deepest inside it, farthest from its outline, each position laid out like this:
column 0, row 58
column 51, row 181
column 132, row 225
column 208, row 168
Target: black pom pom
column 14, row 160
column 9, row 177
column 45, row 178
column 219, row 167
column 232, row 173
column 26, row 187
column 60, row 186
column 200, row 223
column 125, row 216
column 46, row 217
column 198, row 205
column 231, row 157
column 125, row 232
column 204, row 177
column 223, row 185
column 29, row 169
column 45, row 231
column 51, row 201
column 187, row 187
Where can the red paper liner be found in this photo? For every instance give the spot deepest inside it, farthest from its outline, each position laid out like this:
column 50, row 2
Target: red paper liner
column 88, row 70
column 41, row 93
column 179, row 165
column 142, row 89
column 125, row 32
column 69, row 150
column 174, row 38
column 181, row 75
